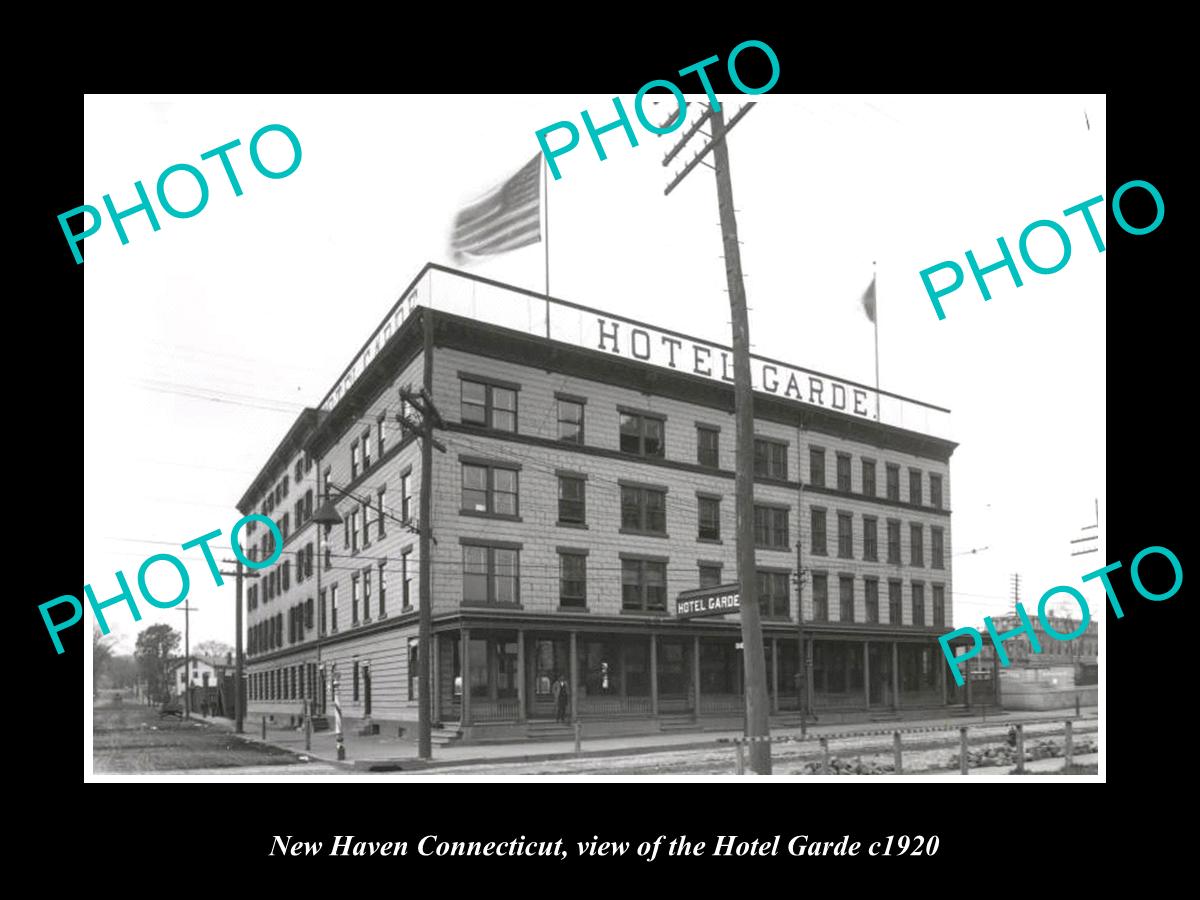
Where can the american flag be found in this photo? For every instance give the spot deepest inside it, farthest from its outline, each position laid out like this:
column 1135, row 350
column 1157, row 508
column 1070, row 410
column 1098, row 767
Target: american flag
column 503, row 219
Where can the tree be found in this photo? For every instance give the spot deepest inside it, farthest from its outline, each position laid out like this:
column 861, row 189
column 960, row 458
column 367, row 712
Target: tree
column 213, row 649
column 154, row 648
column 101, row 657
column 123, row 671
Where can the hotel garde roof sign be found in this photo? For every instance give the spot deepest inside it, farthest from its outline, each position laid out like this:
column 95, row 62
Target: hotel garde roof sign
column 505, row 306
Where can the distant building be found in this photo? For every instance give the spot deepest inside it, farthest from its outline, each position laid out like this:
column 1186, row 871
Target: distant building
column 207, row 677
column 1080, row 652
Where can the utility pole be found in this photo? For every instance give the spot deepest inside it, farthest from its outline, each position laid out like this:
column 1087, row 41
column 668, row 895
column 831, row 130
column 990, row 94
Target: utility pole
column 187, row 659
column 757, row 705
column 239, row 703
column 422, row 402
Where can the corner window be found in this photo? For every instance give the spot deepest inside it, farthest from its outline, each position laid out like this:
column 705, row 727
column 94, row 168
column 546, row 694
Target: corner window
column 489, row 490
column 489, row 405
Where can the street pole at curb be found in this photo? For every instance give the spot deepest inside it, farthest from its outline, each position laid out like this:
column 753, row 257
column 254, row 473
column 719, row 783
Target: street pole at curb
column 307, row 724
column 578, row 737
column 1069, row 745
column 896, row 752
column 1020, row 748
column 824, row 756
column 963, row 760
column 337, row 716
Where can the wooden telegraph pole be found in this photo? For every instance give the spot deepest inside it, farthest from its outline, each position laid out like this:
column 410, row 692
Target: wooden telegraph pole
column 239, row 697
column 422, row 402
column 757, row 708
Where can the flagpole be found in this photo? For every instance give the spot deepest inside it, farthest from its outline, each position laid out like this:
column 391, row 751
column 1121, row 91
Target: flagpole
column 546, row 241
column 876, row 323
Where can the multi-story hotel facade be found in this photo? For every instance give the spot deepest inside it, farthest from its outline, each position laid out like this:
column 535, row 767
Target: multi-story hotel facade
column 585, row 479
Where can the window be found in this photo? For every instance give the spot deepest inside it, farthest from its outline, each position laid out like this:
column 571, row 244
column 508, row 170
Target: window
column 643, row 510
column 354, row 531
column 868, row 477
column 299, row 469
column 405, row 510
column 382, row 589
column 707, row 446
column 917, row 543
column 895, row 609
column 489, row 405
column 490, row 575
column 366, row 580
column 845, row 535
column 308, row 504
column 490, row 490
column 381, row 494
column 285, row 488
column 935, row 491
column 918, row 591
column 354, row 460
column 710, row 575
column 406, row 578
column 710, row 518
column 820, row 583
column 771, row 527
column 366, row 524
column 939, row 550
column 818, row 531
column 285, row 525
column 333, row 608
column 773, row 594
column 414, row 667
column 354, row 599
column 572, row 579
column 846, row 598
column 914, row 487
column 642, row 435
column 893, row 482
column 381, row 434
column 322, row 614
column 816, row 466
column 299, row 565
column 872, row 589
column 287, row 574
column 870, row 538
column 770, row 459
column 355, row 666
column 366, row 445
column 843, row 472
column 939, row 605
column 572, row 497
column 893, row 557
column 570, row 420
column 643, row 584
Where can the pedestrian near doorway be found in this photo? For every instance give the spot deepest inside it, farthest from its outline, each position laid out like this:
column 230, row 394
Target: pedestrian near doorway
column 562, row 696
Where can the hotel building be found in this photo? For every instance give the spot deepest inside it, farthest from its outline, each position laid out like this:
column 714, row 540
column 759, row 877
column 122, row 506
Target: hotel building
column 587, row 480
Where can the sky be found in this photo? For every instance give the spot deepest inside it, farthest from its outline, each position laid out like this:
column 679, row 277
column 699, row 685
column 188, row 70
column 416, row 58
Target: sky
column 203, row 340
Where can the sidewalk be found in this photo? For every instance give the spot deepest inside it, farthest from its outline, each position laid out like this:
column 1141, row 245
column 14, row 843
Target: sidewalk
column 382, row 752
